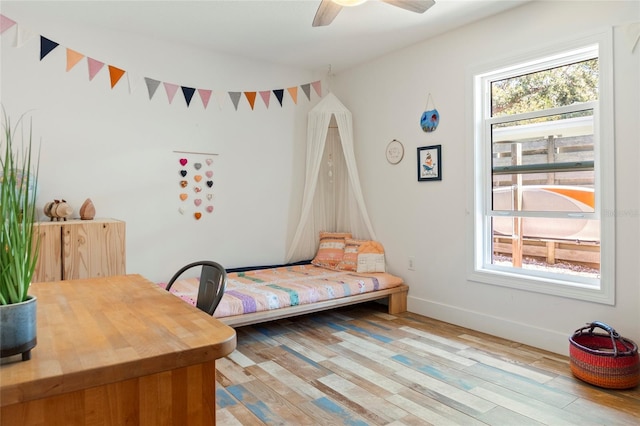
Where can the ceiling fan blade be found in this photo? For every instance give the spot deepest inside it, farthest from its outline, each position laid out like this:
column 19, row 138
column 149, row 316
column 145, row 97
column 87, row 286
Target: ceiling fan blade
column 326, row 12
column 418, row 6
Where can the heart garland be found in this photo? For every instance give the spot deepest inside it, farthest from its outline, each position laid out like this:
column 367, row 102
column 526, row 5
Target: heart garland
column 184, row 183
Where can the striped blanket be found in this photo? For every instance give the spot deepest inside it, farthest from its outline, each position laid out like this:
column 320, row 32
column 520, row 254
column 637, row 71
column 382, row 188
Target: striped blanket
column 266, row 289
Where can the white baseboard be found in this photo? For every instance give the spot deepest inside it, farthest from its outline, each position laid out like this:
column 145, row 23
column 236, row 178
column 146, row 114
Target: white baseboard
column 527, row 334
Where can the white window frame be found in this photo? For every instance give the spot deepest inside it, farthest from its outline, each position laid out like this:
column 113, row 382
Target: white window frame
column 480, row 269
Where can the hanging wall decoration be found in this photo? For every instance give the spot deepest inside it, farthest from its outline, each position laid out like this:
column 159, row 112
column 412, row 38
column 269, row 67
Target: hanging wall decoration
column 430, row 117
column 47, row 46
column 195, row 183
column 394, row 152
column 430, row 163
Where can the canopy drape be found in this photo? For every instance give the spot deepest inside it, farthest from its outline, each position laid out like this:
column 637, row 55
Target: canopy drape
column 332, row 198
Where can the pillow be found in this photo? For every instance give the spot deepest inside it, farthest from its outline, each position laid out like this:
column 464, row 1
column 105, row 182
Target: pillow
column 371, row 257
column 370, row 262
column 331, row 249
column 350, row 260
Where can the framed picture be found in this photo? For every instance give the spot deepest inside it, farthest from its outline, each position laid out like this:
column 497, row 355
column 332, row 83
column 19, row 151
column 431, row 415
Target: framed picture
column 430, row 162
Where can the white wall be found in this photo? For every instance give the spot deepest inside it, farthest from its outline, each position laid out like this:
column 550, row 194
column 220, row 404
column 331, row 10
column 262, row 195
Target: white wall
column 116, row 147
column 429, row 220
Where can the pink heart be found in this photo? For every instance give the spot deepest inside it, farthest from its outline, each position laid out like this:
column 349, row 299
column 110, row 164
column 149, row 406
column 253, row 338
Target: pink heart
column 209, row 209
column 183, row 161
column 197, row 201
column 209, row 173
column 209, row 161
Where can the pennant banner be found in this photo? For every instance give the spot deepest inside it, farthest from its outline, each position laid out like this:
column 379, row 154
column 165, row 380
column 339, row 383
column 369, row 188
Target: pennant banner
column 317, row 86
column 132, row 82
column 188, row 93
column 73, row 57
column 306, row 88
column 115, row 74
column 266, row 96
column 152, row 86
column 293, row 91
column 23, row 35
column 171, row 90
column 46, row 46
column 251, row 97
column 235, row 98
column 5, row 23
column 94, row 67
column 279, row 95
column 205, row 95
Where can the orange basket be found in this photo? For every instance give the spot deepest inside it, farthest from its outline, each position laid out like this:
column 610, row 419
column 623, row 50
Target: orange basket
column 605, row 360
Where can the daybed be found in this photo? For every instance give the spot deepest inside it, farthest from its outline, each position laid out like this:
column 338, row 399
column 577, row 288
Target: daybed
column 264, row 294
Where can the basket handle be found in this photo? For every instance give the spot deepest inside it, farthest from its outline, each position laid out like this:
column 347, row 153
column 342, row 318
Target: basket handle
column 606, row 327
column 612, row 333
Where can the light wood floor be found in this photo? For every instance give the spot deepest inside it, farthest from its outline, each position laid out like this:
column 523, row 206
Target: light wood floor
column 361, row 366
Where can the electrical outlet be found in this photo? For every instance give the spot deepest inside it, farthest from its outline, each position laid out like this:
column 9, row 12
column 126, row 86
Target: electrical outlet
column 412, row 263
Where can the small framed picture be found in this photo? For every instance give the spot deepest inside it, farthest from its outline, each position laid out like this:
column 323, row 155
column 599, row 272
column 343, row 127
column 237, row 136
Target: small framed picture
column 430, row 162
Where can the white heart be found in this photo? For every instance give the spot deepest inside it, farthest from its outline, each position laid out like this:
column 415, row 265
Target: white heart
column 181, row 210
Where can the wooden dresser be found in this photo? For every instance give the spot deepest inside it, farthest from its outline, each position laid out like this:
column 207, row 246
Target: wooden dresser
column 76, row 249
column 114, row 351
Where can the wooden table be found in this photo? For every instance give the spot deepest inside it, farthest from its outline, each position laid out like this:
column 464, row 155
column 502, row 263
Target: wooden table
column 115, row 350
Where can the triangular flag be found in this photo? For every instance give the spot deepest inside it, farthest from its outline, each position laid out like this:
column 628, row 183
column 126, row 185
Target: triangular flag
column 115, row 74
column 220, row 97
column 293, row 91
column 266, row 96
column 235, row 98
column 205, row 95
column 46, row 46
column 632, row 35
column 317, row 86
column 306, row 88
column 152, row 86
column 188, row 94
column 94, row 67
column 171, row 90
column 73, row 58
column 251, row 97
column 5, row 23
column 132, row 80
column 23, row 35
column 279, row 95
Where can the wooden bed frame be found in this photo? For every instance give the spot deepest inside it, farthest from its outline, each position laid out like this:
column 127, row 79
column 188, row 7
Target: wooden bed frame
column 397, row 297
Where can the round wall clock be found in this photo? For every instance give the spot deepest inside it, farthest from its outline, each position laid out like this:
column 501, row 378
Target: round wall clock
column 395, row 152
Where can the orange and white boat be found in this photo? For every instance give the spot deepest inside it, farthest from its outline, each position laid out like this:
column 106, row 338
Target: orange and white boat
column 559, row 198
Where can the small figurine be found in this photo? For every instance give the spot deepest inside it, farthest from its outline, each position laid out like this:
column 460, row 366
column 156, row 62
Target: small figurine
column 87, row 210
column 58, row 209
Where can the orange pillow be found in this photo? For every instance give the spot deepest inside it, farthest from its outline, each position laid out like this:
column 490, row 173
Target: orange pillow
column 331, row 249
column 350, row 259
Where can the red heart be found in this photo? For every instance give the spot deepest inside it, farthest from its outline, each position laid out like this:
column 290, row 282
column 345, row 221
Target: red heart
column 183, row 161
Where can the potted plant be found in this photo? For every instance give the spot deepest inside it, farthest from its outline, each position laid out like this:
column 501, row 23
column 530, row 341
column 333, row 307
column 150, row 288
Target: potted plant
column 19, row 247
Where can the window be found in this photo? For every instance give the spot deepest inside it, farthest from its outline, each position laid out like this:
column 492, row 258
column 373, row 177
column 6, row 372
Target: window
column 543, row 172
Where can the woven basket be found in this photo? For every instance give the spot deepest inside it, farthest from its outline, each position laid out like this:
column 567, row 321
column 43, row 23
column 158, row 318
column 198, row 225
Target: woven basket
column 605, row 360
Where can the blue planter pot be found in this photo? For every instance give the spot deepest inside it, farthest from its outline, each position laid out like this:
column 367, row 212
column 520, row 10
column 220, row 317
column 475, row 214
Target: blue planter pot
column 18, row 328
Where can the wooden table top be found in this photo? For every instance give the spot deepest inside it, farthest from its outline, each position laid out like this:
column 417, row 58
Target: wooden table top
column 97, row 331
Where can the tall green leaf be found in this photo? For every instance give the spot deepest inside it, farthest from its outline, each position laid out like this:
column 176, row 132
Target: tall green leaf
column 19, row 247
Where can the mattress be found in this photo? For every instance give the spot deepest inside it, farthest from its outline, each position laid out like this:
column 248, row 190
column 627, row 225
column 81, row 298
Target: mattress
column 275, row 288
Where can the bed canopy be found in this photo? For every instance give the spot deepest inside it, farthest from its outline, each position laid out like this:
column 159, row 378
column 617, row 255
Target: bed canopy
column 332, row 198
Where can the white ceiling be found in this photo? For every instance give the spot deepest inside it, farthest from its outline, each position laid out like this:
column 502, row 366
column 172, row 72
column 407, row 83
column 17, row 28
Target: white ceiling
column 278, row 31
